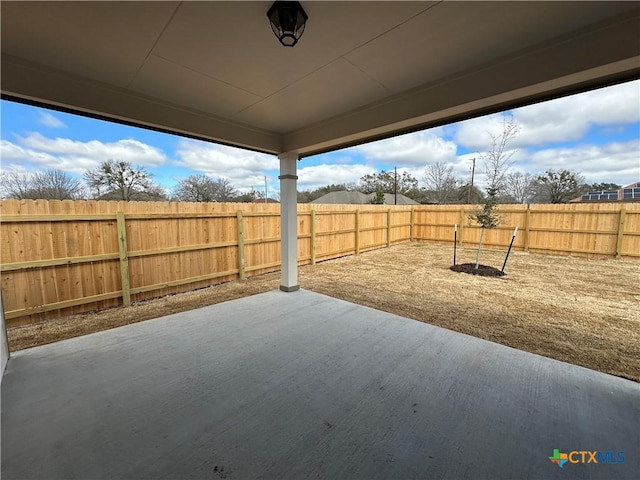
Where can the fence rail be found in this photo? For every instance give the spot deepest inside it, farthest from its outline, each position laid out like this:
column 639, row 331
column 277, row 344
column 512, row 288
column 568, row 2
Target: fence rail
column 60, row 258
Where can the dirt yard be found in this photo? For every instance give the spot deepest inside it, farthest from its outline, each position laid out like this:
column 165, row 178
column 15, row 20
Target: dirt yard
column 577, row 310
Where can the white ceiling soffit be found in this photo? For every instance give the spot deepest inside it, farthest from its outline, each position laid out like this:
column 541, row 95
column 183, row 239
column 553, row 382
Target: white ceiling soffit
column 362, row 70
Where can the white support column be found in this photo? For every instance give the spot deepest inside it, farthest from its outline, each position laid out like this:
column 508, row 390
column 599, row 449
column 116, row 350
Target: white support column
column 289, row 221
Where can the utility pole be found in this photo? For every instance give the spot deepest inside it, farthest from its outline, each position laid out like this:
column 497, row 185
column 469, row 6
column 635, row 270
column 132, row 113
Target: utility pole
column 265, row 189
column 473, row 172
column 395, row 186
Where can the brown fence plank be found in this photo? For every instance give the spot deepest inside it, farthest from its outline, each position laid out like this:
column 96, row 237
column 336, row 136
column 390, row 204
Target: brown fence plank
column 124, row 259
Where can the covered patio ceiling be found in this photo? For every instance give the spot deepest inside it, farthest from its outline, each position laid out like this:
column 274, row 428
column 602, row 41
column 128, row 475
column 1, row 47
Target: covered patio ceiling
column 362, row 70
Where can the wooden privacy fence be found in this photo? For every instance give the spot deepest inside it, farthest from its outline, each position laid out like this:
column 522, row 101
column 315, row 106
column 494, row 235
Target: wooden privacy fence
column 602, row 229
column 60, row 258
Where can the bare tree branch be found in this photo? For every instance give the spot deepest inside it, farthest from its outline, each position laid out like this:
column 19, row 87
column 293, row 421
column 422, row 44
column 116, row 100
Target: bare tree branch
column 15, row 185
column 51, row 184
column 558, row 186
column 520, row 187
column 118, row 179
column 498, row 160
column 440, row 182
column 200, row 188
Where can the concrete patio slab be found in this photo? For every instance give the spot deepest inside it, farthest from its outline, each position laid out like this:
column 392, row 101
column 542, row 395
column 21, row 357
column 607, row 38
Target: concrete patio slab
column 300, row 385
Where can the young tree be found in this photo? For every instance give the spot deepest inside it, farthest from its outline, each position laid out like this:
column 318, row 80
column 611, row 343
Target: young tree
column 440, row 182
column 498, row 160
column 52, row 184
column 520, row 186
column 487, row 218
column 118, row 180
column 558, row 186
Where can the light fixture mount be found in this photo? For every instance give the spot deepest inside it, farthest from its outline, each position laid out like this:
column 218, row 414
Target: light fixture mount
column 287, row 20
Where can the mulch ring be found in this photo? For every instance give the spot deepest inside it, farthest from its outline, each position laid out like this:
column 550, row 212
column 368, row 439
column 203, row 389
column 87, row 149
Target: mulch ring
column 482, row 270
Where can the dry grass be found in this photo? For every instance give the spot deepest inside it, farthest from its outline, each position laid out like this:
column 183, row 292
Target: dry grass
column 572, row 309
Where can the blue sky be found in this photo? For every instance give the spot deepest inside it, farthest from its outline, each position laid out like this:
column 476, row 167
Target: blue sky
column 596, row 134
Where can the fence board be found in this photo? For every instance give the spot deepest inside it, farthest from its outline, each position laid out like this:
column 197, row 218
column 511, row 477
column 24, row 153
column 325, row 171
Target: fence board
column 64, row 257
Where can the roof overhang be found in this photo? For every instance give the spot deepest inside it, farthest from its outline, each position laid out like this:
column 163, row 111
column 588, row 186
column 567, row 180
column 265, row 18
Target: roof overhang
column 362, row 71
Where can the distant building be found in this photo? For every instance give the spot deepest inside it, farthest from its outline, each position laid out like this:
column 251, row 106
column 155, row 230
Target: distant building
column 345, row 197
column 630, row 193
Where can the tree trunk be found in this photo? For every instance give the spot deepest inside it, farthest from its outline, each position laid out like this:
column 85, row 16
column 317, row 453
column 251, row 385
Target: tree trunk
column 479, row 247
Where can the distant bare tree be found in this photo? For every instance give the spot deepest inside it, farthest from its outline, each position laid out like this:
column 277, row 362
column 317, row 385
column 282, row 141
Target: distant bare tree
column 119, row 180
column 521, row 187
column 51, row 184
column 250, row 196
column 200, row 188
column 558, row 186
column 389, row 182
column 440, row 182
column 225, row 192
column 15, row 184
column 195, row 188
column 56, row 184
column 466, row 193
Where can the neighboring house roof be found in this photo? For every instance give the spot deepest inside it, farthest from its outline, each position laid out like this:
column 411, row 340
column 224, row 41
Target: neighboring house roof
column 359, row 198
column 392, row 199
column 628, row 193
column 343, row 197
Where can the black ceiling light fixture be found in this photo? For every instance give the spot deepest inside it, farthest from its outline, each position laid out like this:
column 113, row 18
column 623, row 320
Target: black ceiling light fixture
column 287, row 21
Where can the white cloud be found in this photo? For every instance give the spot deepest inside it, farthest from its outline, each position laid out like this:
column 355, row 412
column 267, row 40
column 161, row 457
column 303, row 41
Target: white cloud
column 616, row 162
column 476, row 133
column 245, row 169
column 413, row 149
column 75, row 156
column 48, row 120
column 320, row 175
column 594, row 162
column 127, row 150
column 15, row 156
column 566, row 119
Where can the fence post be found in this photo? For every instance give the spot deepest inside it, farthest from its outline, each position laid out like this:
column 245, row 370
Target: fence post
column 623, row 212
column 241, row 271
column 460, row 230
column 357, row 232
column 412, row 224
column 527, row 224
column 124, row 259
column 313, row 237
column 389, row 228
